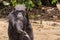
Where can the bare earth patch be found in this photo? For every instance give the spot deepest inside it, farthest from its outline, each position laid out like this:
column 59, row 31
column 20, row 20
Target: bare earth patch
column 49, row 31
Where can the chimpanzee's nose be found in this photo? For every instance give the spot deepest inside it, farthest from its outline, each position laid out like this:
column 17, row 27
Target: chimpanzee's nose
column 20, row 16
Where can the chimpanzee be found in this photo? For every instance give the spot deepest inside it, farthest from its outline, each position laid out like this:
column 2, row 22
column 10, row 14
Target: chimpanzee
column 19, row 26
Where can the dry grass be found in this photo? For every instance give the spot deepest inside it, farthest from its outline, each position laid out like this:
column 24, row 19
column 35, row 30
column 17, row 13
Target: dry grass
column 48, row 31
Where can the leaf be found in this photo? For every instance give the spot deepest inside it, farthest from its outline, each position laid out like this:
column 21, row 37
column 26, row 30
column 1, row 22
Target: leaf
column 54, row 1
column 14, row 3
column 39, row 2
column 5, row 3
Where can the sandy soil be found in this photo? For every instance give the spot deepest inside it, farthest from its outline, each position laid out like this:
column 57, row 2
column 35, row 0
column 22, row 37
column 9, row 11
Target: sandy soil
column 49, row 30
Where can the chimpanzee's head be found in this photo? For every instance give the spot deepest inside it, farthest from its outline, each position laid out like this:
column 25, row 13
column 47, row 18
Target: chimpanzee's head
column 20, row 11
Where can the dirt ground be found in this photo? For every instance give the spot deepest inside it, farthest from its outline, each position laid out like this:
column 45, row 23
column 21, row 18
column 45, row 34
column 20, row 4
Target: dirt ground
column 49, row 30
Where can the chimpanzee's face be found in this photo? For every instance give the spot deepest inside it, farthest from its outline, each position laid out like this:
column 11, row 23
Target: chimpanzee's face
column 21, row 11
column 21, row 15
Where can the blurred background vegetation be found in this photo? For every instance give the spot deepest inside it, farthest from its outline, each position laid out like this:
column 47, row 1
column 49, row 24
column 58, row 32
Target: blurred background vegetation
column 36, row 8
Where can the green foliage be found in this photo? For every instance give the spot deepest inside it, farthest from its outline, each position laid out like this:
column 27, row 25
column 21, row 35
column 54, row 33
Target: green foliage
column 39, row 2
column 54, row 1
column 29, row 3
column 13, row 3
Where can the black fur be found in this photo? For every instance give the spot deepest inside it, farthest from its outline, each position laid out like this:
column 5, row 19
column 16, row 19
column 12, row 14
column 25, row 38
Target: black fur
column 19, row 28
